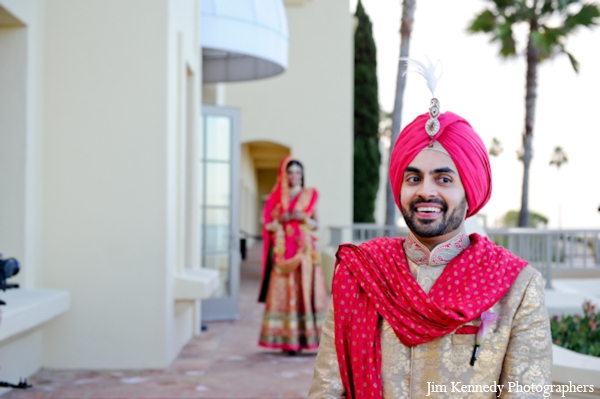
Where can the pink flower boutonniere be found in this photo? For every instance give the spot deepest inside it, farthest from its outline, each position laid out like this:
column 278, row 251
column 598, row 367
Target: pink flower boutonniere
column 487, row 319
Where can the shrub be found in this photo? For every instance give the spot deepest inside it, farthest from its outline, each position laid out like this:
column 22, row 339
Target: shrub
column 578, row 333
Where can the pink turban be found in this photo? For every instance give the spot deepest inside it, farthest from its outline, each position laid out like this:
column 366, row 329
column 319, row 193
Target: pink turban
column 464, row 147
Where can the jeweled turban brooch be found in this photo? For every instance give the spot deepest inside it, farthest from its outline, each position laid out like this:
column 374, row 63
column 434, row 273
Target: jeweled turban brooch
column 430, row 72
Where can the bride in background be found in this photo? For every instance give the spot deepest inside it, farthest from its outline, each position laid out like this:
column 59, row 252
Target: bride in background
column 293, row 287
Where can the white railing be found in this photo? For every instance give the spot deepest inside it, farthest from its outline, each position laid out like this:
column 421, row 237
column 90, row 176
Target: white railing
column 361, row 232
column 546, row 249
column 559, row 249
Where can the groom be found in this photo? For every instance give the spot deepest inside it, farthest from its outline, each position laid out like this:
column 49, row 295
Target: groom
column 439, row 308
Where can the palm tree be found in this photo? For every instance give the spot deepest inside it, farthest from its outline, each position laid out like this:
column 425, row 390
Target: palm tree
column 558, row 158
column 549, row 24
column 408, row 18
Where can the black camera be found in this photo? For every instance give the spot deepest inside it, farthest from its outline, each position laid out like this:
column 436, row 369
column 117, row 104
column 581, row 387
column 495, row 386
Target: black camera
column 8, row 268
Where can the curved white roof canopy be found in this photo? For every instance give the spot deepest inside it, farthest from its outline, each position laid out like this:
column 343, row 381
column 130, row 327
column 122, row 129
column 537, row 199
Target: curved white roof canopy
column 243, row 39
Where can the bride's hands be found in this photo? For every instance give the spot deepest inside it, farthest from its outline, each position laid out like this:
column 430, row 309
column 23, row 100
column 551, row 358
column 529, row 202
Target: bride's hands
column 284, row 217
column 298, row 215
column 294, row 215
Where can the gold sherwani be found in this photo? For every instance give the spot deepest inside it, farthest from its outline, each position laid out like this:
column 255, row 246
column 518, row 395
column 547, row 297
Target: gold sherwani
column 518, row 348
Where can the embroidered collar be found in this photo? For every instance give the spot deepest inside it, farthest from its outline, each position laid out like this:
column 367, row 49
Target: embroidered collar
column 441, row 254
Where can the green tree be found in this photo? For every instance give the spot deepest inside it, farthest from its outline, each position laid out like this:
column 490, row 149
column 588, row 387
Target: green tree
column 367, row 157
column 511, row 219
column 549, row 23
column 406, row 27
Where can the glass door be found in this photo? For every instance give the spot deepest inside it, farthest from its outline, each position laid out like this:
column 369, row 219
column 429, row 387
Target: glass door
column 219, row 205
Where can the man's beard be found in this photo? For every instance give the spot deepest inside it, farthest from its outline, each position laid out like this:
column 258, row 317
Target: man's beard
column 428, row 228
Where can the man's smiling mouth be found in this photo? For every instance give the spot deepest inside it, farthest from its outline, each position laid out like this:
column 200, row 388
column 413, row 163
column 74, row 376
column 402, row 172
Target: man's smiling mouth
column 428, row 209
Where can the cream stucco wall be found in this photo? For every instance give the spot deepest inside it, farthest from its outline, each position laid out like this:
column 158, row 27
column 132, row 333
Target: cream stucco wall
column 309, row 107
column 20, row 134
column 117, row 189
column 13, row 141
column 28, row 308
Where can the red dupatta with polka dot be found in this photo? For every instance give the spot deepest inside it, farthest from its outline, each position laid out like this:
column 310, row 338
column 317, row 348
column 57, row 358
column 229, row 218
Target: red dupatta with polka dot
column 374, row 280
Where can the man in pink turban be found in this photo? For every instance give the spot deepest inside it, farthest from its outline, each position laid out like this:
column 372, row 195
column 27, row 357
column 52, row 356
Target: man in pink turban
column 441, row 313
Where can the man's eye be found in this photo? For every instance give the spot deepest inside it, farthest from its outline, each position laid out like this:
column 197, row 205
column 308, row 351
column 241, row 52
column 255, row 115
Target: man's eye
column 412, row 179
column 445, row 180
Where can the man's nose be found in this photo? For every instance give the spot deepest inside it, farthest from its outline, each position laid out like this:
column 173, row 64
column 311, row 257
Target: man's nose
column 427, row 189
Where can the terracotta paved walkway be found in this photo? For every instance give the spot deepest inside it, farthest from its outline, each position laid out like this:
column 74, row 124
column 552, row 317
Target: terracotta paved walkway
column 223, row 362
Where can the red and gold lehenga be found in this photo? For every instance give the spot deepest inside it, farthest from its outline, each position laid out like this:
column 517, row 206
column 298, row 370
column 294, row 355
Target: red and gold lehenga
column 293, row 287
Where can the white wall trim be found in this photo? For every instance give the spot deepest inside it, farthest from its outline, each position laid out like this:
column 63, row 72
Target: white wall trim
column 194, row 284
column 29, row 308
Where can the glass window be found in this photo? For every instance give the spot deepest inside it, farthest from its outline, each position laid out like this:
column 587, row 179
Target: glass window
column 218, row 183
column 217, row 233
column 218, row 138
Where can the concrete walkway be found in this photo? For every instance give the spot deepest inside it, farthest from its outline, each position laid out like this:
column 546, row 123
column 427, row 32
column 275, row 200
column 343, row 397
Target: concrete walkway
column 223, row 362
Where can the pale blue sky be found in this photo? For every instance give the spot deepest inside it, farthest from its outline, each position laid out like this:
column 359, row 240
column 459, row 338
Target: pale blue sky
column 490, row 92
